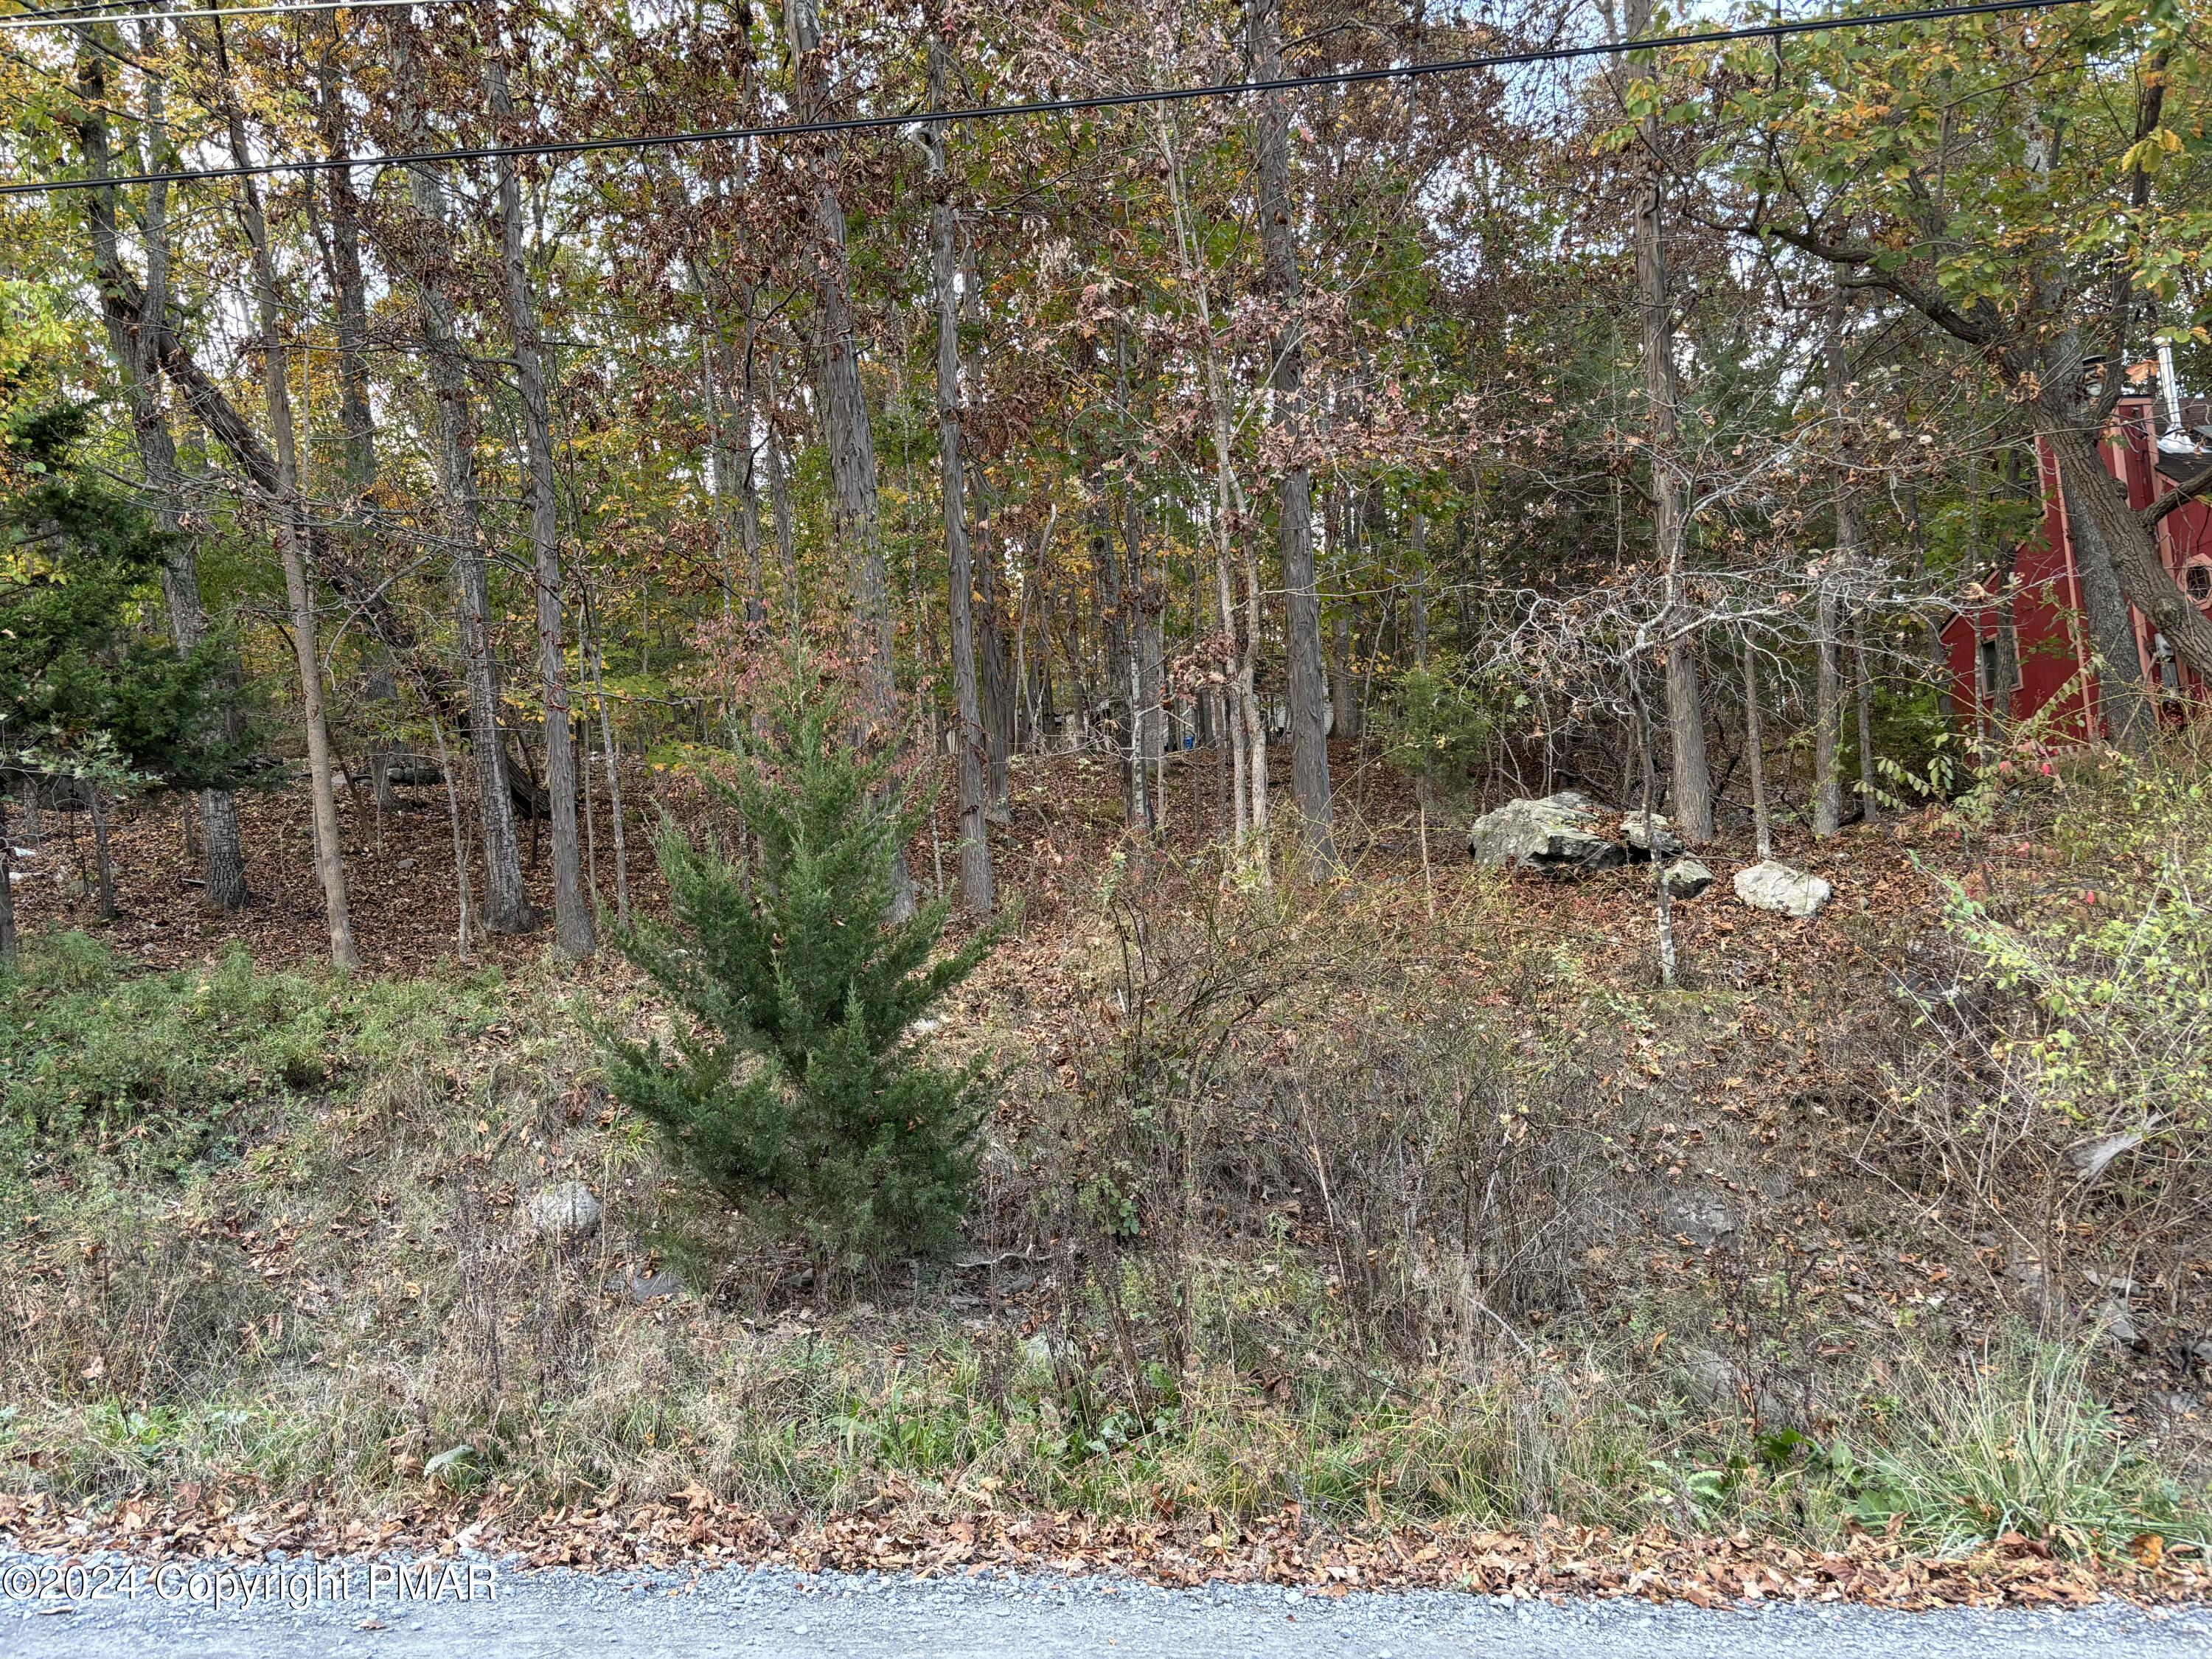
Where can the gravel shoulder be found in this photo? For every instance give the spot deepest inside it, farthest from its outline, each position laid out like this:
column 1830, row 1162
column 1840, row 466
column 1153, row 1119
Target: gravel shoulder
column 483, row 1611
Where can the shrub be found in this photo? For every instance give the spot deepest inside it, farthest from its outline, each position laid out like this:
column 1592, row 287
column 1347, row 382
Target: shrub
column 2071, row 1065
column 793, row 1081
column 1440, row 720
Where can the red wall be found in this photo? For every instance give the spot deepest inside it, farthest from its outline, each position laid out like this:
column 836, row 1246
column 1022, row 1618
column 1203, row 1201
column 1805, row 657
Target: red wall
column 2052, row 635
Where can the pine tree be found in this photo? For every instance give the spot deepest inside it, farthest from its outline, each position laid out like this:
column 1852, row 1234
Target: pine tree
column 797, row 1089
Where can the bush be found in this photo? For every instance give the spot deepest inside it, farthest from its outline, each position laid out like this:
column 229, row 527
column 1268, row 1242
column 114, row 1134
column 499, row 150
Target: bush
column 797, row 1084
column 2070, row 1067
column 1440, row 720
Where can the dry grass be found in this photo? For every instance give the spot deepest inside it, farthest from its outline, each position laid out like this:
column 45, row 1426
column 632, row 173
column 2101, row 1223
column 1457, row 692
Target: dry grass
column 1291, row 1198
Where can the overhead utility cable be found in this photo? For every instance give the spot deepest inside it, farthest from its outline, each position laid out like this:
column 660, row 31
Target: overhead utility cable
column 66, row 17
column 1774, row 31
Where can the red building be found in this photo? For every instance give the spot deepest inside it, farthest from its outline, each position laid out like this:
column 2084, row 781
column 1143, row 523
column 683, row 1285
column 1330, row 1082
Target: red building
column 2051, row 666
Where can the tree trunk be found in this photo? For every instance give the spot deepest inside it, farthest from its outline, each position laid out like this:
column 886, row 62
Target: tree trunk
column 613, row 757
column 356, row 421
column 1308, row 688
column 1419, row 605
column 969, row 738
column 1686, row 716
column 2108, row 539
column 855, row 510
column 1754, row 749
column 1117, row 590
column 136, row 353
column 1848, row 557
column 749, row 534
column 507, row 907
column 1147, row 606
column 998, row 687
column 779, row 500
column 1663, row 896
column 1248, row 737
column 1869, row 802
column 285, row 509
column 1344, row 684
column 461, row 899
column 103, row 858
column 10, row 947
column 574, row 933
column 1827, row 717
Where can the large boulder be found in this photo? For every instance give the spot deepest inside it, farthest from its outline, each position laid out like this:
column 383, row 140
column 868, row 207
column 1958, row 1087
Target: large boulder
column 1561, row 835
column 1641, row 840
column 1785, row 890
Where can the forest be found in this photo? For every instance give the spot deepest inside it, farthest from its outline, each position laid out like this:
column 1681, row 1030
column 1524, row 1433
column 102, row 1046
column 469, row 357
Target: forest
column 1339, row 792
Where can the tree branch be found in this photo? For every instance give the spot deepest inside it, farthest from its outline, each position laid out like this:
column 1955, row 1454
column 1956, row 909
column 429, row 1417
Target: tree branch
column 2176, row 498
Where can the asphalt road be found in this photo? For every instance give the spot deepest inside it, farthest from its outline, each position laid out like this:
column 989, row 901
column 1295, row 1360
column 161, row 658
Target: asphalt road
column 476, row 1610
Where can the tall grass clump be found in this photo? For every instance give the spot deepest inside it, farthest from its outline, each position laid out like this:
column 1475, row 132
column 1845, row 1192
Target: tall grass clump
column 2022, row 1448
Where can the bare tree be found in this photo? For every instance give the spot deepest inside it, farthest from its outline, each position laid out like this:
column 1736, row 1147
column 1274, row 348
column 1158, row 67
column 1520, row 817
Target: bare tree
column 135, row 348
column 1309, row 686
column 289, row 519
column 969, row 739
column 424, row 251
column 846, row 429
column 574, row 932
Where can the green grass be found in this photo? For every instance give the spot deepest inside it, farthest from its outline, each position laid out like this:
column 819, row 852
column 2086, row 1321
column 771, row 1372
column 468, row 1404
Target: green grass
column 168, row 1071
column 2023, row 1447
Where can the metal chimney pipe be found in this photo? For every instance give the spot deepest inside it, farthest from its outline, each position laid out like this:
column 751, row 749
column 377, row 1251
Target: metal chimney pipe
column 2170, row 387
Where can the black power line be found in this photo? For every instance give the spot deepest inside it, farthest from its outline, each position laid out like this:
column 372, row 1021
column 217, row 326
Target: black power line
column 77, row 17
column 1062, row 106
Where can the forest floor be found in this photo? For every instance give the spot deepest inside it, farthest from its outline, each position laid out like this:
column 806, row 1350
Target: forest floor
column 1717, row 1330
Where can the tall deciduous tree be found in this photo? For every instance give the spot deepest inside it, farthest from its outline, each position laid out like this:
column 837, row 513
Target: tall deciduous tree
column 573, row 930
column 1669, row 484
column 855, row 503
column 1308, row 684
column 289, row 524
column 969, row 739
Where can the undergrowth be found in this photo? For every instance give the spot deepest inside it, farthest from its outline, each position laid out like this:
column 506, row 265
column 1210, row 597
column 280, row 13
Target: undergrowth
column 1275, row 1214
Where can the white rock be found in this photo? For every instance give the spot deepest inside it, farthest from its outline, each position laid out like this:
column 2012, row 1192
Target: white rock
column 1771, row 886
column 566, row 1208
column 1687, row 878
column 1562, row 833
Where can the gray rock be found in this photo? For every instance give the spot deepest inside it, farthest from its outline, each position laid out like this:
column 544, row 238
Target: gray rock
column 1702, row 1217
column 1640, row 840
column 1687, row 878
column 641, row 1287
column 1777, row 887
column 2113, row 1325
column 565, row 1209
column 1709, row 1377
column 1560, row 835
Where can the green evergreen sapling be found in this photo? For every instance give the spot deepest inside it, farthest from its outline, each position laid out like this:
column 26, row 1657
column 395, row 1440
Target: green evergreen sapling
column 793, row 1085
